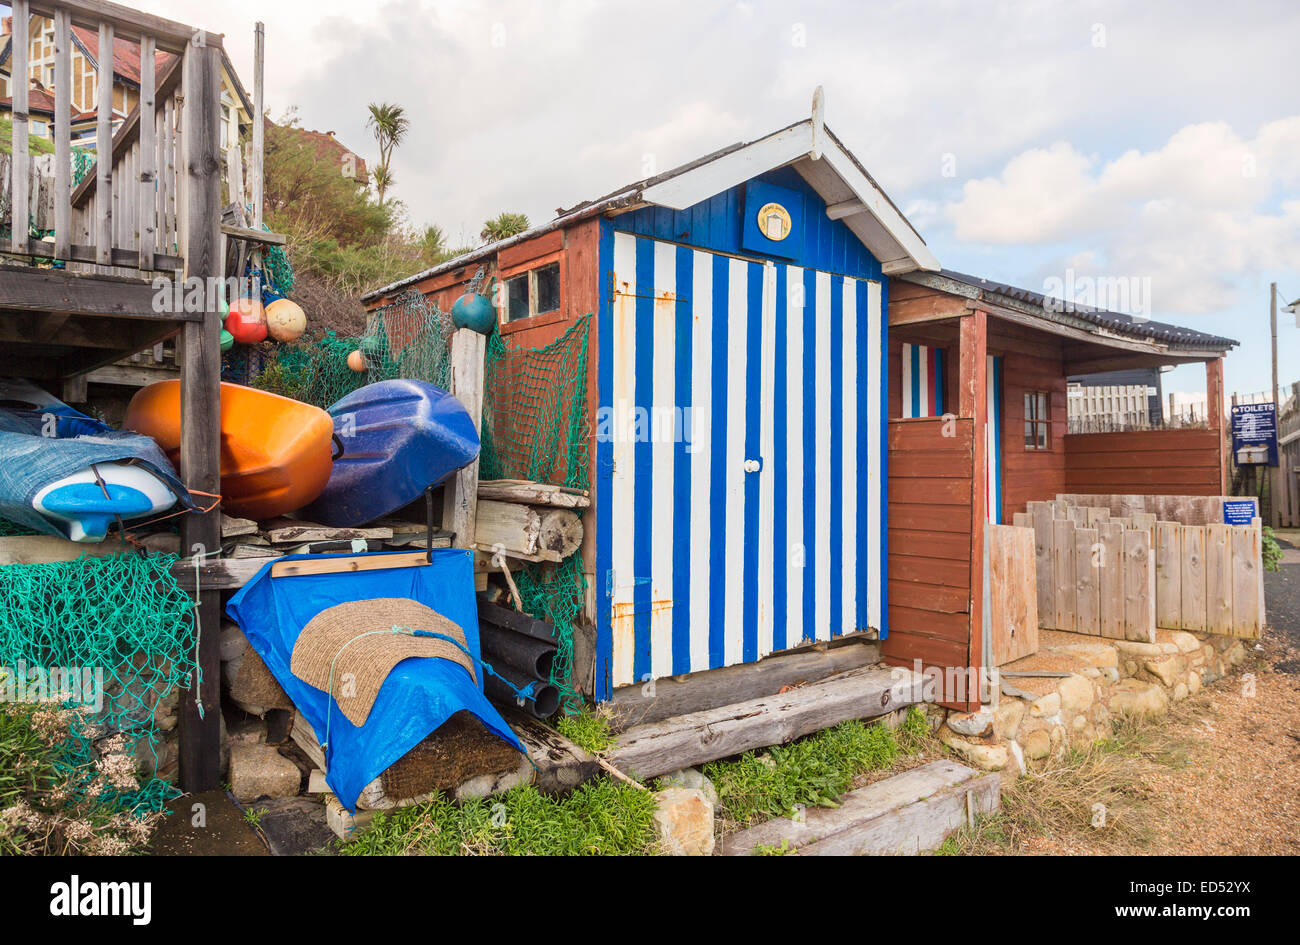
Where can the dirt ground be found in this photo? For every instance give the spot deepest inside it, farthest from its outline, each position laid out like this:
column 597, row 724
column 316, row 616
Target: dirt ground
column 1220, row 775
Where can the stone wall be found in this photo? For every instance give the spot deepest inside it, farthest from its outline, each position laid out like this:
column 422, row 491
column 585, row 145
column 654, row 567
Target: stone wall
column 1086, row 682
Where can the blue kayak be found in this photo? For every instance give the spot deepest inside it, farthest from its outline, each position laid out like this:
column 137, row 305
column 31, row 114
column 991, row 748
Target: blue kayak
column 398, row 437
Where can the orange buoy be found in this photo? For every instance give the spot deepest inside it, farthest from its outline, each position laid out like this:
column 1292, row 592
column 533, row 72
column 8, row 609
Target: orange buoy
column 247, row 321
column 357, row 361
column 285, row 320
column 276, row 453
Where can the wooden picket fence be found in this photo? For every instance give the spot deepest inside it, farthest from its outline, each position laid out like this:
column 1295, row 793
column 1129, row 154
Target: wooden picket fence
column 1121, row 577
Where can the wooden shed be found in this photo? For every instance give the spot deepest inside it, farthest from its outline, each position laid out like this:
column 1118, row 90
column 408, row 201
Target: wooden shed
column 736, row 393
column 978, row 429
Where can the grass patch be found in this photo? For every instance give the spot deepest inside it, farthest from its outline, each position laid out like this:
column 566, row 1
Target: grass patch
column 1098, row 795
column 601, row 818
column 587, row 730
column 35, row 145
column 811, row 772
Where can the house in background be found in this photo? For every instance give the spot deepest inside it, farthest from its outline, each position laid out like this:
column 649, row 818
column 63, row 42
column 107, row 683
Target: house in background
column 329, row 148
column 236, row 106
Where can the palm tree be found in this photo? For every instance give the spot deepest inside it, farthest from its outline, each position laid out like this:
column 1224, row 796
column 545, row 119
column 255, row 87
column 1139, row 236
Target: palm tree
column 389, row 124
column 503, row 226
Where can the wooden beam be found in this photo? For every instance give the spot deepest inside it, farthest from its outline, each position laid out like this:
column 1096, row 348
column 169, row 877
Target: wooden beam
column 845, row 208
column 647, row 751
column 713, row 688
column 20, row 167
column 129, row 23
column 146, row 186
column 973, row 401
column 25, row 289
column 934, row 307
column 200, row 747
column 460, row 494
column 104, row 148
column 62, row 134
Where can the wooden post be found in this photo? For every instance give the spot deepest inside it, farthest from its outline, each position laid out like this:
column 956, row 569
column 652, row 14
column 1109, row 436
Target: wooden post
column 19, row 171
column 259, row 126
column 62, row 134
column 145, row 186
column 1214, row 416
column 460, row 495
column 104, row 150
column 200, row 747
column 973, row 402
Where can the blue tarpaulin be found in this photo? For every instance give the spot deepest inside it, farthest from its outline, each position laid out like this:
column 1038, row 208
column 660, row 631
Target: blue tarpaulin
column 42, row 440
column 418, row 696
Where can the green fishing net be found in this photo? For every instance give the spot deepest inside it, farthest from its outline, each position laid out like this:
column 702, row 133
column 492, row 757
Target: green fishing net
column 122, row 618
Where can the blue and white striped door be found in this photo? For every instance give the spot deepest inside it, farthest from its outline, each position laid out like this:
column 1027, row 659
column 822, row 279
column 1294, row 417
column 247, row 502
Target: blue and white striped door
column 741, row 499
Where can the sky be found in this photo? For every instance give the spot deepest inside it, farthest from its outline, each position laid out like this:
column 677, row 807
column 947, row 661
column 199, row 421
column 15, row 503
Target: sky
column 1153, row 146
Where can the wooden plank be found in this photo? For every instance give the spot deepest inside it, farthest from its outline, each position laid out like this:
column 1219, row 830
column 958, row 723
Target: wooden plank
column 1013, row 592
column 146, row 214
column 346, row 564
column 460, row 493
column 1246, row 620
column 1044, row 567
column 1169, row 575
column 1218, row 579
column 1097, row 515
column 20, row 169
column 1064, row 571
column 1087, row 559
column 200, row 460
column 62, row 134
column 1139, row 587
column 972, row 402
column 1193, row 580
column 255, row 167
column 918, row 827
column 104, row 149
column 646, row 751
column 713, row 688
column 855, row 810
column 262, row 237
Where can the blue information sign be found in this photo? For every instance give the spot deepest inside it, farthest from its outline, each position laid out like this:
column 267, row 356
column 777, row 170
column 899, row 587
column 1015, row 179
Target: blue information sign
column 1254, row 434
column 1238, row 512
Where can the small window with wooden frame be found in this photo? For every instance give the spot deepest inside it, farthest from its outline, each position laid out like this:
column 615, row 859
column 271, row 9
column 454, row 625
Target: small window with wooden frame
column 531, row 295
column 1038, row 423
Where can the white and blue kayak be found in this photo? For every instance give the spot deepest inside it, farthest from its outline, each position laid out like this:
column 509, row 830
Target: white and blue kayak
column 70, row 475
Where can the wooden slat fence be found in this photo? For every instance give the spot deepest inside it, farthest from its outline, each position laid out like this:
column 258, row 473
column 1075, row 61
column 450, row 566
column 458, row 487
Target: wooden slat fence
column 1121, row 577
column 1184, row 509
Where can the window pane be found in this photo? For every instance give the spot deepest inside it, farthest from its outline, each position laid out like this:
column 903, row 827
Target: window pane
column 1042, row 436
column 1029, row 435
column 1041, row 413
column 517, row 298
column 1029, row 406
column 548, row 289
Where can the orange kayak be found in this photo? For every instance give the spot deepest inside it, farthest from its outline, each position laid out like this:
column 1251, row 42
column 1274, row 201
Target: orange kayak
column 275, row 452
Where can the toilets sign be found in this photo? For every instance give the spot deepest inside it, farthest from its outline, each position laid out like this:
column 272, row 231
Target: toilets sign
column 1254, row 434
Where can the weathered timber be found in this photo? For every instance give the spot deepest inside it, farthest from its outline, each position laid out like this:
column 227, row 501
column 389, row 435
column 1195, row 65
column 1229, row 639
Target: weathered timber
column 649, row 750
column 869, row 816
column 710, row 689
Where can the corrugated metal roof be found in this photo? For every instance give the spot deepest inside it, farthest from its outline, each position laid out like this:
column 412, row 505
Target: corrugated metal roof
column 1117, row 322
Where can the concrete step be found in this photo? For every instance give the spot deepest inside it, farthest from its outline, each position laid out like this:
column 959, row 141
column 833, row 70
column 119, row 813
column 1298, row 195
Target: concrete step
column 907, row 814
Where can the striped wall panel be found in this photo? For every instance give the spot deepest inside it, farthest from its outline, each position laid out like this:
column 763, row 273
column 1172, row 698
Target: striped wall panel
column 922, row 381
column 993, row 440
column 740, row 451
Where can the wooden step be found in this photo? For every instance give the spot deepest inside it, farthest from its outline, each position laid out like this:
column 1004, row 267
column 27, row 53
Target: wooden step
column 649, row 750
column 712, row 688
column 907, row 814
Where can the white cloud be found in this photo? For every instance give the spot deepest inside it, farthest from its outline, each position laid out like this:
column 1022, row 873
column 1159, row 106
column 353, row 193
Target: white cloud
column 1195, row 215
